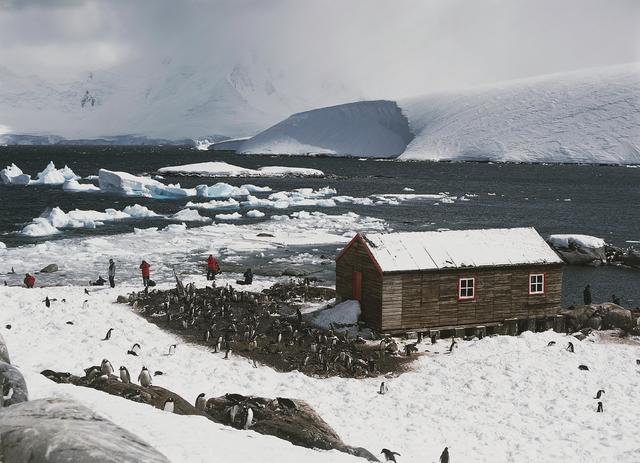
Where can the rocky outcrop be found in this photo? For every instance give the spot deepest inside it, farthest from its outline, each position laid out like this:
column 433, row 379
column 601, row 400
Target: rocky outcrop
column 12, row 385
column 51, row 268
column 599, row 316
column 62, row 431
column 288, row 419
column 4, row 352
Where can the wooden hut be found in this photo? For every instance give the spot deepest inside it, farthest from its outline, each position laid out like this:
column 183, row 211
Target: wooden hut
column 449, row 279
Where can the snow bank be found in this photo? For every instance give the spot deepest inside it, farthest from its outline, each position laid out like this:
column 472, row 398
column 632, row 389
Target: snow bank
column 2, row 245
column 588, row 116
column 189, row 215
column 12, row 175
column 342, row 315
column 52, row 220
column 368, row 128
column 223, row 169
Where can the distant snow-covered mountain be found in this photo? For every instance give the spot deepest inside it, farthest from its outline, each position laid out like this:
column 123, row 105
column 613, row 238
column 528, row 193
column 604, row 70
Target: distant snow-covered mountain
column 590, row 116
column 170, row 101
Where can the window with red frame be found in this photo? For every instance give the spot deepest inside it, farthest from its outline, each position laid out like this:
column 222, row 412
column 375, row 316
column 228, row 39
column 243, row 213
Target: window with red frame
column 536, row 283
column 466, row 288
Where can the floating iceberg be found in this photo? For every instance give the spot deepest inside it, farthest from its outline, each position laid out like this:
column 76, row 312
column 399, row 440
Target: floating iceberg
column 232, row 216
column 255, row 214
column 52, row 176
column 13, row 175
column 73, row 186
column 189, row 215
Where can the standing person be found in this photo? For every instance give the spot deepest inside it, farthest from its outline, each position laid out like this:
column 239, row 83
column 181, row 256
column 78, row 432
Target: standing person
column 112, row 273
column 213, row 267
column 29, row 280
column 146, row 272
column 586, row 295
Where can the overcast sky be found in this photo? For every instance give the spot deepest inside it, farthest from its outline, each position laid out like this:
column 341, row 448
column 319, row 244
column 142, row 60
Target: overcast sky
column 382, row 48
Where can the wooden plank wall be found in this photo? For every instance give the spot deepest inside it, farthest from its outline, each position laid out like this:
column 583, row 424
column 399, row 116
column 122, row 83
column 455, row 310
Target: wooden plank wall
column 357, row 259
column 427, row 300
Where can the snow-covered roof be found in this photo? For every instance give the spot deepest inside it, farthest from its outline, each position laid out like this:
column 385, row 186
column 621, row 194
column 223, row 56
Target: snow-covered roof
column 397, row 252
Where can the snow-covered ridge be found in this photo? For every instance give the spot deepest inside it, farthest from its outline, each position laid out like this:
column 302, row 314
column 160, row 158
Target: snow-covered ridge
column 366, row 128
column 590, row 116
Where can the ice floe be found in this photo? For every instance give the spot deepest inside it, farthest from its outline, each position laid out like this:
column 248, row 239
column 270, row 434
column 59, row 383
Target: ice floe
column 189, row 215
column 223, row 169
column 52, row 220
column 13, row 175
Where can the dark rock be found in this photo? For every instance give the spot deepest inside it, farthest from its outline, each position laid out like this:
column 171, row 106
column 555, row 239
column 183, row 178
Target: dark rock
column 265, row 235
column 63, row 431
column 51, row 268
column 291, row 272
column 289, row 419
column 13, row 385
column 4, row 352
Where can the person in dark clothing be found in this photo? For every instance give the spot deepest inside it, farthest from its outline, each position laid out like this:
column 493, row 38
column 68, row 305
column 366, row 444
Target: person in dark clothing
column 213, row 268
column 146, row 272
column 99, row 282
column 248, row 278
column 586, row 295
column 112, row 273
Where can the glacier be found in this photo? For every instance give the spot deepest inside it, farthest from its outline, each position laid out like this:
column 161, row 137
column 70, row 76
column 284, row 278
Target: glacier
column 588, row 116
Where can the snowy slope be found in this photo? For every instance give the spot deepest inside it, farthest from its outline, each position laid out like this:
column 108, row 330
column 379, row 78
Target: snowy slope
column 368, row 128
column 591, row 116
column 501, row 399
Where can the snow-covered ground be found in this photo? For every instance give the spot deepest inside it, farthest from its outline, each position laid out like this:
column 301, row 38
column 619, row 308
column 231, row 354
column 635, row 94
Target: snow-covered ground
column 500, row 399
column 367, row 128
column 590, row 116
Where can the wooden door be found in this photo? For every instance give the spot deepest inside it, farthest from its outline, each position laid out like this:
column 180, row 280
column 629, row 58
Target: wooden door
column 356, row 291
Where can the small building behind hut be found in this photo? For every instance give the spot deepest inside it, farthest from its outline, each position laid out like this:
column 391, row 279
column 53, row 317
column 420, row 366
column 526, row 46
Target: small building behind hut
column 449, row 279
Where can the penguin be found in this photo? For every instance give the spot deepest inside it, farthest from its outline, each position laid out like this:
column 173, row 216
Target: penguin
column 108, row 335
column 247, row 417
column 389, row 455
column 86, row 291
column 69, row 322
column 135, row 350
column 583, row 367
column 85, row 304
column 172, row 349
column 106, row 368
column 570, row 347
column 453, row 344
column 124, row 375
column 600, row 409
column 444, row 456
column 383, row 388
column 47, row 301
column 637, row 361
column 144, row 378
column 434, row 339
column 201, row 402
column 599, row 394
column 169, row 405
column 551, row 343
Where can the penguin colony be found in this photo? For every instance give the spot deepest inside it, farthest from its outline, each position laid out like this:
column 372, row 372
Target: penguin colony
column 268, row 327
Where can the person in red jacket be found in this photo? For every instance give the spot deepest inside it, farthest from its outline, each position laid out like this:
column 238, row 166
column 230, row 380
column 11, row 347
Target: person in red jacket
column 213, row 267
column 146, row 272
column 29, row 280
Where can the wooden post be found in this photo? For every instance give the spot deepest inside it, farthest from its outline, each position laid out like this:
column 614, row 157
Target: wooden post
column 511, row 326
column 531, row 324
column 481, row 331
column 559, row 324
